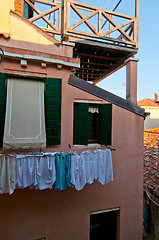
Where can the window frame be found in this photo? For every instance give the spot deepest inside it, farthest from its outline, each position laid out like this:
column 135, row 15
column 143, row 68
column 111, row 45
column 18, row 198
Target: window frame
column 105, row 130
column 3, row 91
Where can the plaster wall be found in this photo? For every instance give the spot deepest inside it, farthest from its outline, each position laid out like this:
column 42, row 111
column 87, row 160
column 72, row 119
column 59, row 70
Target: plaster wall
column 22, row 29
column 5, row 7
column 151, row 121
column 19, row 28
column 65, row 215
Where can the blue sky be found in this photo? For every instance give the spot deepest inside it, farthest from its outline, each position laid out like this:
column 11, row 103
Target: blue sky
column 148, row 65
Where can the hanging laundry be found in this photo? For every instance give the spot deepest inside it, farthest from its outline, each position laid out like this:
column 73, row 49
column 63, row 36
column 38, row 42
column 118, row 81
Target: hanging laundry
column 109, row 166
column 45, row 173
column 91, row 166
column 42, row 171
column 68, row 169
column 101, row 164
column 63, row 171
column 25, row 170
column 8, row 176
column 89, row 163
column 78, row 171
column 104, row 167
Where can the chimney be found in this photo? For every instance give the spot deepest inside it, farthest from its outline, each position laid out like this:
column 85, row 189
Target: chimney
column 131, row 79
column 156, row 98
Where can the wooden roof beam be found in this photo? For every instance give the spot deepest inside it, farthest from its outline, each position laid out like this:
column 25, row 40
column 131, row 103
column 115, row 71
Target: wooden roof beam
column 85, row 73
column 93, row 69
column 96, row 56
column 95, row 63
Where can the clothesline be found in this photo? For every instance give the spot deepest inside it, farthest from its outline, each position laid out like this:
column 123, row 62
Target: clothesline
column 41, row 153
column 64, row 170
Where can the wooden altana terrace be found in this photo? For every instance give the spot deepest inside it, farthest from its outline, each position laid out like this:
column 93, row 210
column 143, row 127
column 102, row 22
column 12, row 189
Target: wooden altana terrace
column 104, row 39
column 57, row 19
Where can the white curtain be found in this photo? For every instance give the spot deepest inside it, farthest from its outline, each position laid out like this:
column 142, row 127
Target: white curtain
column 25, row 119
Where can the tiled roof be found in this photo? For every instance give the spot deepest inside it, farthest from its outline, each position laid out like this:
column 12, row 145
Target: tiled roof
column 151, row 168
column 147, row 102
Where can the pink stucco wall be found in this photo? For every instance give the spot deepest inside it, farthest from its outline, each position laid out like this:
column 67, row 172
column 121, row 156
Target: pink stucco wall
column 65, row 215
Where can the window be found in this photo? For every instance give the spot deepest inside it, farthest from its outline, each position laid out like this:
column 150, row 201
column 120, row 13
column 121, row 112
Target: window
column 27, row 11
column 92, row 123
column 104, row 225
column 24, row 119
column 30, row 98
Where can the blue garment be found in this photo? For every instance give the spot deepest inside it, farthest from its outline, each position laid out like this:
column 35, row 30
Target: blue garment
column 63, row 171
column 68, row 169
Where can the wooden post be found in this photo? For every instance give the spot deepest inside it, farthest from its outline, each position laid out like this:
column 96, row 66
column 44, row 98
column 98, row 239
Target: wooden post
column 99, row 22
column 136, row 27
column 54, row 15
column 110, row 28
column 54, row 19
column 64, row 20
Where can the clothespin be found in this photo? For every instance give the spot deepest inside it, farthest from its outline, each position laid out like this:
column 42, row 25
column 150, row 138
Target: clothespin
column 112, row 149
column 40, row 151
column 70, row 147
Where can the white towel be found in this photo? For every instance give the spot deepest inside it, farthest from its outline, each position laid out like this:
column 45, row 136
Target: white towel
column 8, row 177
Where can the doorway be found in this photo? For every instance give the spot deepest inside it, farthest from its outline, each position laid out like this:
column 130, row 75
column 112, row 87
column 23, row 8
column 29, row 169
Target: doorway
column 104, row 225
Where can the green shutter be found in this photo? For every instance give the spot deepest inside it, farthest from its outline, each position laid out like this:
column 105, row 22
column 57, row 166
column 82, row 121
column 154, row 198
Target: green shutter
column 53, row 110
column 105, row 124
column 80, row 123
column 146, row 216
column 2, row 105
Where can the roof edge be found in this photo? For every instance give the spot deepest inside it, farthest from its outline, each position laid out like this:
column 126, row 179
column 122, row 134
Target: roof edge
column 110, row 97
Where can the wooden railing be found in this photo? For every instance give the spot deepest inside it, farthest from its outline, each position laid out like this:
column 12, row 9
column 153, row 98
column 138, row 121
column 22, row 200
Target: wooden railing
column 94, row 22
column 54, row 12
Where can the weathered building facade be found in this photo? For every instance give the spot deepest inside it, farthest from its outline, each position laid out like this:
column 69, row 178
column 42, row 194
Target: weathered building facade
column 47, row 104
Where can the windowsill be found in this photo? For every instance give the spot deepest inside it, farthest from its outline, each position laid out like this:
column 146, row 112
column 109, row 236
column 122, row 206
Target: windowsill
column 90, row 145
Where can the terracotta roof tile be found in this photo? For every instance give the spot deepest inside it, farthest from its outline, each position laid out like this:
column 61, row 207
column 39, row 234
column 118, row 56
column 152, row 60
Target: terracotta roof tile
column 147, row 102
column 151, row 168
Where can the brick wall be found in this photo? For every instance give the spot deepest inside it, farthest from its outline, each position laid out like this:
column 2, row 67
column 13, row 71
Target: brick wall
column 18, row 6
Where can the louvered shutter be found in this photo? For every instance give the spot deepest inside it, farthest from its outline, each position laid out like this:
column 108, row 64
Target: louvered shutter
column 105, row 124
column 2, row 104
column 80, row 123
column 53, row 110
